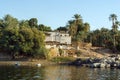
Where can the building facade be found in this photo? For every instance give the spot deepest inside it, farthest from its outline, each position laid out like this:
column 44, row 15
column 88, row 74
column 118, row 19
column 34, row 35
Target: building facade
column 57, row 39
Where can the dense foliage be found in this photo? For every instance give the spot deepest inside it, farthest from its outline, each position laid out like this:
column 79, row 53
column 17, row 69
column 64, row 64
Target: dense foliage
column 21, row 37
column 105, row 37
column 80, row 32
column 77, row 28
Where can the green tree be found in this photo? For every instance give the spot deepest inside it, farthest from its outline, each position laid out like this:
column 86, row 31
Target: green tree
column 78, row 18
column 9, row 21
column 9, row 41
column 21, row 37
column 24, row 23
column 62, row 29
column 118, row 41
column 75, row 26
column 86, row 27
column 33, row 22
column 77, row 22
column 1, row 24
column 26, row 36
column 23, row 41
column 42, row 27
column 39, row 44
column 77, row 29
column 113, row 18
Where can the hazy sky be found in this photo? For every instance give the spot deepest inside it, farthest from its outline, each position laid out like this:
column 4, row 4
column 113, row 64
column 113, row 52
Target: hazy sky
column 56, row 13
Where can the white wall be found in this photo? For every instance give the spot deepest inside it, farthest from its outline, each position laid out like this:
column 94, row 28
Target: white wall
column 62, row 38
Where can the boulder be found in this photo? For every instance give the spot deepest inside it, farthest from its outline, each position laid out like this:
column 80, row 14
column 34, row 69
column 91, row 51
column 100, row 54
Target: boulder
column 102, row 65
column 88, row 61
column 77, row 62
column 95, row 65
column 107, row 65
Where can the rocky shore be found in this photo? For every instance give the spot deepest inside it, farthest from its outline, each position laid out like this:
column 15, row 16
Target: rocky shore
column 106, row 62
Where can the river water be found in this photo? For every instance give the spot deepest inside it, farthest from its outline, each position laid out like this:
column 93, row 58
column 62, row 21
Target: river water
column 57, row 72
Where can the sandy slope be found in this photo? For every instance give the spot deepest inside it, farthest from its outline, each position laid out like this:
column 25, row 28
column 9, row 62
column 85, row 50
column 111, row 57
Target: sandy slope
column 95, row 52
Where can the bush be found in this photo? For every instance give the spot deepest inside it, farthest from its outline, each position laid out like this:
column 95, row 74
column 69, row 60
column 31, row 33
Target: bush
column 62, row 59
column 78, row 53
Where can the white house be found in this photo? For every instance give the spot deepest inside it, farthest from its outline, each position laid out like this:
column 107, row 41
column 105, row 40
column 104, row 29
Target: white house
column 57, row 39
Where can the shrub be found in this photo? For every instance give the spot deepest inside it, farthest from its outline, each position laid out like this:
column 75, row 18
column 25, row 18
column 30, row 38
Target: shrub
column 62, row 59
column 78, row 53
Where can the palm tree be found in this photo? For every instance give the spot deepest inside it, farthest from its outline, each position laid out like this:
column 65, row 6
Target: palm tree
column 78, row 19
column 115, row 24
column 86, row 27
column 113, row 18
column 73, row 27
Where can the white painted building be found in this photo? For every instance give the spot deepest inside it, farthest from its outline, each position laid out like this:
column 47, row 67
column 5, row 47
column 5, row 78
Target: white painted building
column 57, row 39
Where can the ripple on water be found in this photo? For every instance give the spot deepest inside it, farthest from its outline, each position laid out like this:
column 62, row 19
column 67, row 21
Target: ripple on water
column 58, row 73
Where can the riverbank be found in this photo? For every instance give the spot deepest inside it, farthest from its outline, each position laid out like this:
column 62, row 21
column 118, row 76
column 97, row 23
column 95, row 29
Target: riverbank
column 27, row 63
column 35, row 62
column 92, row 52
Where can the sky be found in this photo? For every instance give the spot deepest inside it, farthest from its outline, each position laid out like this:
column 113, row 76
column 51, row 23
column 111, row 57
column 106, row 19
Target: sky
column 56, row 13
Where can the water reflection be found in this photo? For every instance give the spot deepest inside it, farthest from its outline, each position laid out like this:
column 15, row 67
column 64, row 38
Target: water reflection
column 20, row 73
column 105, row 74
column 57, row 73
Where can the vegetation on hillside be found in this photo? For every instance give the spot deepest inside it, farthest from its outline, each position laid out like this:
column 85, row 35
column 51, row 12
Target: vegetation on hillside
column 26, row 37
